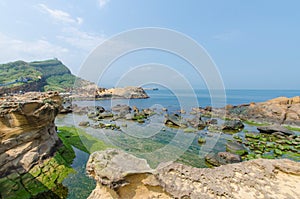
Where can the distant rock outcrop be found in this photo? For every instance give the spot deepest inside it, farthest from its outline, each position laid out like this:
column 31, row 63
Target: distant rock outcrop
column 120, row 175
column 92, row 92
column 27, row 131
column 281, row 110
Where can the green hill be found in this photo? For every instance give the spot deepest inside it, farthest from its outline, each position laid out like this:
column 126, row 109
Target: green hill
column 36, row 76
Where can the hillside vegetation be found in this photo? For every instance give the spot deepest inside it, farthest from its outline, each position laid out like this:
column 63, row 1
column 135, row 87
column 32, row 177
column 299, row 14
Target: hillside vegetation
column 49, row 75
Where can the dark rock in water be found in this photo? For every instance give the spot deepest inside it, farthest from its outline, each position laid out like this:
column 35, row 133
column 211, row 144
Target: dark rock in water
column 84, row 123
column 105, row 114
column 92, row 115
column 232, row 125
column 121, row 108
column 66, row 110
column 99, row 109
column 208, row 108
column 236, row 148
column 212, row 121
column 197, row 123
column 222, row 158
column 214, row 128
column 274, row 128
column 175, row 121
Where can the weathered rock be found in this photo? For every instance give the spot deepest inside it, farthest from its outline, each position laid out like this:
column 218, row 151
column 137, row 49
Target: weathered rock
column 236, row 148
column 280, row 110
column 275, row 128
column 110, row 167
column 130, row 92
column 27, row 130
column 257, row 178
column 84, row 123
column 222, row 158
column 197, row 123
column 121, row 108
column 232, row 125
column 175, row 121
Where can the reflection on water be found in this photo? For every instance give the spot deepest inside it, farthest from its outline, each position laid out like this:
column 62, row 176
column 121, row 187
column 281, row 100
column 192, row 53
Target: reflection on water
column 79, row 185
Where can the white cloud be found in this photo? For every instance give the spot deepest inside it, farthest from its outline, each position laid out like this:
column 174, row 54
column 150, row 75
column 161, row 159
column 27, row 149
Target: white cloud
column 60, row 15
column 80, row 39
column 102, row 3
column 12, row 49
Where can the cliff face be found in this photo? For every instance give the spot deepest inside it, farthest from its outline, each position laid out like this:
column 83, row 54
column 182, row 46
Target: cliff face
column 120, row 175
column 27, row 130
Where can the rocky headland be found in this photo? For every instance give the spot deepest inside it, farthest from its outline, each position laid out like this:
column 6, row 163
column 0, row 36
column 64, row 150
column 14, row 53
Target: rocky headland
column 121, row 175
column 93, row 92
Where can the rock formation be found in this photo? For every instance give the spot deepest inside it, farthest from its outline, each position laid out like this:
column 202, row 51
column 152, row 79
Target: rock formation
column 120, row 175
column 281, row 110
column 27, row 130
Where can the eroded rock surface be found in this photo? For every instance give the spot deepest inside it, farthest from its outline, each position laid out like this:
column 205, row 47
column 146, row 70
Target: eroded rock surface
column 27, row 130
column 281, row 110
column 259, row 178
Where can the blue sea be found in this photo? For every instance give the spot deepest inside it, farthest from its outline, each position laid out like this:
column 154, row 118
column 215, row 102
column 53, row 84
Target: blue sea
column 183, row 99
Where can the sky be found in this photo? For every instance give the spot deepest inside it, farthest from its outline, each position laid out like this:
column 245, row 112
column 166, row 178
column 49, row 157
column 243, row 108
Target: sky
column 254, row 44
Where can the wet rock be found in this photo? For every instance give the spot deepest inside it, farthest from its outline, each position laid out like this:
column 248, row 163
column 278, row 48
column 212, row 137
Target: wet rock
column 222, row 158
column 232, row 125
column 212, row 122
column 105, row 114
column 214, row 128
column 175, row 121
column 236, row 148
column 197, row 122
column 84, row 123
column 135, row 109
column 121, row 108
column 274, row 128
column 99, row 109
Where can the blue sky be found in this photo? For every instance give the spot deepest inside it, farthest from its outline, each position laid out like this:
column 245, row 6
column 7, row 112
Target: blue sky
column 255, row 44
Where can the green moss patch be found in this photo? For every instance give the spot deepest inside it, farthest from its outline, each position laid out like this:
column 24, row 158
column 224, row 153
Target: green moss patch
column 72, row 136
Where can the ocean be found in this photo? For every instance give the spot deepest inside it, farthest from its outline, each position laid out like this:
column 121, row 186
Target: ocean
column 178, row 99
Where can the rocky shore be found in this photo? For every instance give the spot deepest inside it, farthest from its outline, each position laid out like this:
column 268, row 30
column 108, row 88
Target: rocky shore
column 121, row 175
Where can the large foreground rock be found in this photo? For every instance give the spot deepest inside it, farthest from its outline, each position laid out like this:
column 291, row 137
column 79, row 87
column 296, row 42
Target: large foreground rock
column 27, row 130
column 120, row 175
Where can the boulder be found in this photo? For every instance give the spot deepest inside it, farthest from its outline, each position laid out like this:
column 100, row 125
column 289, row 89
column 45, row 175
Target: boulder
column 222, row 158
column 274, row 128
column 121, row 108
column 232, row 125
column 175, row 121
column 236, row 148
column 110, row 167
column 84, row 123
